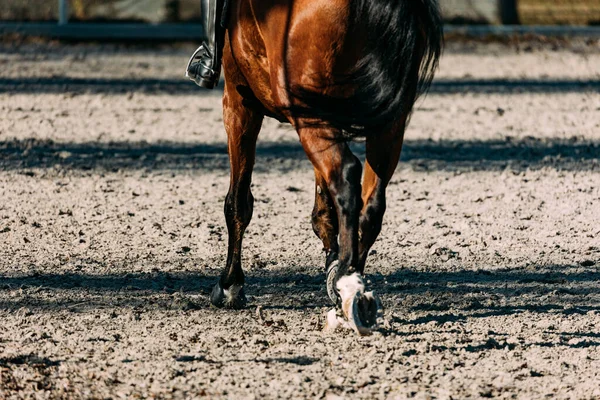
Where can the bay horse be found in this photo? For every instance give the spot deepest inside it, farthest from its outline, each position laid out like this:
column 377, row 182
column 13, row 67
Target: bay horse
column 336, row 70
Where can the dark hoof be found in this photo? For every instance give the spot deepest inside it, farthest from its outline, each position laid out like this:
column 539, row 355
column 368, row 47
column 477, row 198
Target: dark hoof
column 233, row 297
column 368, row 308
column 332, row 291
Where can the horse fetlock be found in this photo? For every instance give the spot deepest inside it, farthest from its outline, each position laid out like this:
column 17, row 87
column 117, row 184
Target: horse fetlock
column 331, row 256
column 232, row 297
column 360, row 309
column 235, row 297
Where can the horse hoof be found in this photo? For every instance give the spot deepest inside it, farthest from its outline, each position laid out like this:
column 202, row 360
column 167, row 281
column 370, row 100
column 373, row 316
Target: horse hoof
column 360, row 309
column 233, row 297
column 331, row 275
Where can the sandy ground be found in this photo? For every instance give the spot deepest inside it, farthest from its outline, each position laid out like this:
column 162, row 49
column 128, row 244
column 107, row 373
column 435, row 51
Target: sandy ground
column 113, row 172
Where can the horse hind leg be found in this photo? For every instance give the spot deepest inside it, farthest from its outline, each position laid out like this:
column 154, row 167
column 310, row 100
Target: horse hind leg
column 325, row 225
column 341, row 172
column 242, row 125
column 382, row 155
column 364, row 309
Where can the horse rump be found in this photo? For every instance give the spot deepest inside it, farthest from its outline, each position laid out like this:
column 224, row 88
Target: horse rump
column 402, row 43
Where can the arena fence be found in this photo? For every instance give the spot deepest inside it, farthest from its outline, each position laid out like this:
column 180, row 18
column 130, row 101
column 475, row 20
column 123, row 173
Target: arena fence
column 559, row 12
column 178, row 19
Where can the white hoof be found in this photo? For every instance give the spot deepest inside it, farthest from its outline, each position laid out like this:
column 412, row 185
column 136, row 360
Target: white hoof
column 360, row 309
column 333, row 322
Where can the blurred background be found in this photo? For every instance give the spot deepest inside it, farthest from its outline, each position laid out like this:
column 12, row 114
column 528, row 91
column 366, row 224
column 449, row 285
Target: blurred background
column 456, row 12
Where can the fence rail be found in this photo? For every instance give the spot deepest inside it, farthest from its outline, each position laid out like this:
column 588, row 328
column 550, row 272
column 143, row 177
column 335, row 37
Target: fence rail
column 65, row 29
column 182, row 32
column 106, row 31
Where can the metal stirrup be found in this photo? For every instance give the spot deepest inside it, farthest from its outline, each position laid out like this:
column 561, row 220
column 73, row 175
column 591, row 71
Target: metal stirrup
column 197, row 56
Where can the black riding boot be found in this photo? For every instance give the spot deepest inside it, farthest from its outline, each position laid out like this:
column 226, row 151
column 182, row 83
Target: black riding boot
column 204, row 66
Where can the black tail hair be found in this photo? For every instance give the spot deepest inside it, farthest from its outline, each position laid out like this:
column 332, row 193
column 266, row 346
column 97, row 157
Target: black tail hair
column 403, row 43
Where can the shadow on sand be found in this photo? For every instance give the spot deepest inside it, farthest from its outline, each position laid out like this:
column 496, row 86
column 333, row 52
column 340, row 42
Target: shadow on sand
column 572, row 288
column 63, row 84
column 422, row 155
column 423, row 297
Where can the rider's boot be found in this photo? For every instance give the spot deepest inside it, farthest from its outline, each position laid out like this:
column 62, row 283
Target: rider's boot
column 204, row 66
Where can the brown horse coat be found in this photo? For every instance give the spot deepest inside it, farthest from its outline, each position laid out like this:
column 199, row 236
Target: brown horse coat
column 334, row 69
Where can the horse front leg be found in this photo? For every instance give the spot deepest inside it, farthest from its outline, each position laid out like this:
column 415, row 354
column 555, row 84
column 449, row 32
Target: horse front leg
column 242, row 125
column 341, row 171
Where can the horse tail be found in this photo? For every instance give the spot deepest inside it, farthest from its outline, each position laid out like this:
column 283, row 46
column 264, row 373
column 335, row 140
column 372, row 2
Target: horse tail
column 402, row 41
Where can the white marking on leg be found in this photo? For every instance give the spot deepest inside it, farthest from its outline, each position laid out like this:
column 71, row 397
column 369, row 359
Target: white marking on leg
column 348, row 285
column 352, row 291
column 334, row 322
column 228, row 296
column 331, row 322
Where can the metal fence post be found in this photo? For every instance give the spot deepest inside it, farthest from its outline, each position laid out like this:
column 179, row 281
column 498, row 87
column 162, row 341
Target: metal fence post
column 508, row 12
column 63, row 12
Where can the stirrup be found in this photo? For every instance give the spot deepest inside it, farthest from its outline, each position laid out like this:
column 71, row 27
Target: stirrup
column 197, row 58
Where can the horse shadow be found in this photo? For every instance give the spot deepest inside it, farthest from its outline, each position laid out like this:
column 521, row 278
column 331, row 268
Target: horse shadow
column 32, row 156
column 439, row 295
column 411, row 297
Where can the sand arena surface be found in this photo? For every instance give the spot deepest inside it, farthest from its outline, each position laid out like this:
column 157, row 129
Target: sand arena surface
column 113, row 172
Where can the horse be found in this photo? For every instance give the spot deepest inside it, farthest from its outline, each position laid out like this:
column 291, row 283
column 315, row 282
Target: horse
column 337, row 71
